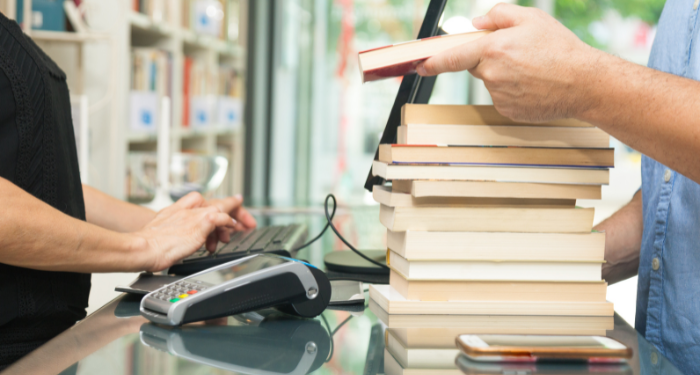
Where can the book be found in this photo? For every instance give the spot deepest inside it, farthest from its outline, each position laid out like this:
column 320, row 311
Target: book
column 487, row 219
column 500, row 270
column 401, row 59
column 464, row 172
column 498, row 155
column 500, row 135
column 423, row 245
column 384, row 195
column 392, row 367
column 417, row 357
column 393, row 302
column 490, row 189
column 442, row 324
column 450, row 114
column 480, row 290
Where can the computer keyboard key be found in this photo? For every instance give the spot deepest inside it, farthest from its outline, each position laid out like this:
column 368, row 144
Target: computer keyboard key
column 265, row 239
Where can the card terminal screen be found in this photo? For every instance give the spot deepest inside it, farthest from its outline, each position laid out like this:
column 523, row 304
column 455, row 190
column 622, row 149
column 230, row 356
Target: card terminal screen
column 219, row 276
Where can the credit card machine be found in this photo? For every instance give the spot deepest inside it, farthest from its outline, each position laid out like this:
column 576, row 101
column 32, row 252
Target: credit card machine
column 286, row 346
column 251, row 283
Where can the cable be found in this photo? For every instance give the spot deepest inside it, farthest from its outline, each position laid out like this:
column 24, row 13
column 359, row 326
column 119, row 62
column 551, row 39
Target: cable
column 332, row 333
column 329, row 223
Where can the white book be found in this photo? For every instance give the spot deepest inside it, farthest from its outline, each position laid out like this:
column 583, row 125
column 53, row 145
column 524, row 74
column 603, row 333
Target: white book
column 427, row 358
column 502, row 135
column 424, row 245
column 392, row 367
column 502, row 270
column 448, row 325
column 393, row 302
column 463, row 172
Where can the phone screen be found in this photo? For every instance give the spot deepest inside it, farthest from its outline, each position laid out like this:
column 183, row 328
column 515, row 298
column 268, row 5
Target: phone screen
column 550, row 341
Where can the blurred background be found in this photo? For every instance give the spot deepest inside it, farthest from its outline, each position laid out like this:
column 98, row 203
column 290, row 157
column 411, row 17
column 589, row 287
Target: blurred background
column 266, row 97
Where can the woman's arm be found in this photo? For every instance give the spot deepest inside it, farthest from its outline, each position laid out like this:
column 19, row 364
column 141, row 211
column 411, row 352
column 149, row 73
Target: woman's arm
column 107, row 212
column 36, row 235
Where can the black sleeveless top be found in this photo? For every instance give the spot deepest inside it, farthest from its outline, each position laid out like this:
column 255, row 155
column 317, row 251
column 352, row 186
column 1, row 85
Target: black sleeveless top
column 38, row 154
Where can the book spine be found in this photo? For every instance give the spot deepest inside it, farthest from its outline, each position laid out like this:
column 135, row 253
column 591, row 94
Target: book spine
column 396, row 70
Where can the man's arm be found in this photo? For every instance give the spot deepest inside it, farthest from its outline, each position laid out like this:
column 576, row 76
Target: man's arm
column 623, row 241
column 36, row 235
column 538, row 70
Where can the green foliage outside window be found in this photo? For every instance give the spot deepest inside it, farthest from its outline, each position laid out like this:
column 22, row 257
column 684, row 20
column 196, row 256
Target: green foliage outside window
column 577, row 15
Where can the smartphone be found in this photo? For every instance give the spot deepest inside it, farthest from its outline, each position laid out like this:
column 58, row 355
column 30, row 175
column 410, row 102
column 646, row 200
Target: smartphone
column 531, row 348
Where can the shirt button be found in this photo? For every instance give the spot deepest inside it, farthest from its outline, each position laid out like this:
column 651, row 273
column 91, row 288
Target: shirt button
column 655, row 264
column 667, row 174
column 654, row 358
column 695, row 4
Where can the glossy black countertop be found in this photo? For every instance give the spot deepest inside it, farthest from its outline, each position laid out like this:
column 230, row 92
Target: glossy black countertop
column 117, row 340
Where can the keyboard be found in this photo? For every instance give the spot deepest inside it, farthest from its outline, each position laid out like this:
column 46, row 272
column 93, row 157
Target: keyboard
column 280, row 240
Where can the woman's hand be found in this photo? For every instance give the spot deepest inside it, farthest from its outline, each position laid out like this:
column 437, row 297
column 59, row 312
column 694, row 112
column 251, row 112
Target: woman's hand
column 178, row 231
column 233, row 207
column 532, row 65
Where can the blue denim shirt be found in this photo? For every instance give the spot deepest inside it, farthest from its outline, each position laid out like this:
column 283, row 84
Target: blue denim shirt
column 668, row 291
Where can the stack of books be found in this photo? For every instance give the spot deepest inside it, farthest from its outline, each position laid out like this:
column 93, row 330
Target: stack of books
column 482, row 219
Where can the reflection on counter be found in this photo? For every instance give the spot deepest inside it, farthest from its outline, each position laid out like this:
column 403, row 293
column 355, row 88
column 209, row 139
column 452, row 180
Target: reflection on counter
column 273, row 346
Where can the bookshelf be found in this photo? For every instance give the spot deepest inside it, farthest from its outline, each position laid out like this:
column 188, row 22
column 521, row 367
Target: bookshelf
column 181, row 43
column 113, row 135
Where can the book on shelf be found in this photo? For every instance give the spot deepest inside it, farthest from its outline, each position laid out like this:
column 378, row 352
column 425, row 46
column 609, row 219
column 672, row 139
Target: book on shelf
column 443, row 324
column 401, row 59
column 495, row 270
column 498, row 155
column 420, row 357
column 487, row 219
column 151, row 79
column 159, row 11
column 46, row 15
column 393, row 302
column 451, row 114
column 498, row 290
column 211, row 95
column 465, row 172
column 385, row 196
column 440, row 245
column 392, row 367
column 502, row 135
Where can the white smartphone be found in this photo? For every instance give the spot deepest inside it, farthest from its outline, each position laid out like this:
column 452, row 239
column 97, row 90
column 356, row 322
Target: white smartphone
column 530, row 348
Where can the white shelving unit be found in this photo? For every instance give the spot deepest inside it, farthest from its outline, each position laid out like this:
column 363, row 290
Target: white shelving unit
column 133, row 29
column 141, row 31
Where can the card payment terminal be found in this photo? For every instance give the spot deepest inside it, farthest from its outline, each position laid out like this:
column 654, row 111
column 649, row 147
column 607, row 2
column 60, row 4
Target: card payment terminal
column 250, row 283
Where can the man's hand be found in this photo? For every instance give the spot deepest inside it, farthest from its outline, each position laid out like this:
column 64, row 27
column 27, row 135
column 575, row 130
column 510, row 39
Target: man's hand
column 178, row 231
column 531, row 64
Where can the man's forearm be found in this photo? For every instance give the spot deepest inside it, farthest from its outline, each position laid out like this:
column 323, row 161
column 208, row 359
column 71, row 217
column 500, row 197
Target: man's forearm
column 623, row 240
column 114, row 214
column 35, row 235
column 651, row 111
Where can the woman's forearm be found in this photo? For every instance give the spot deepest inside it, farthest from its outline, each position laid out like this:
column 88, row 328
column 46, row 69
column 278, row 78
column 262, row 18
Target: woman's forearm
column 36, row 235
column 623, row 241
column 108, row 212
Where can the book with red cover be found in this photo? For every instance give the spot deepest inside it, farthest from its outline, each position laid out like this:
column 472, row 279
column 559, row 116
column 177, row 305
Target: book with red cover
column 401, row 59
